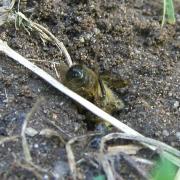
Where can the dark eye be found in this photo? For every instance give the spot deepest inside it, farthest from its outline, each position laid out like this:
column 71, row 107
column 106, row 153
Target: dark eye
column 75, row 72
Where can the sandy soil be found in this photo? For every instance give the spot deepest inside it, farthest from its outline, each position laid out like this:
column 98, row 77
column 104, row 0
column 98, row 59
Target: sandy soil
column 124, row 37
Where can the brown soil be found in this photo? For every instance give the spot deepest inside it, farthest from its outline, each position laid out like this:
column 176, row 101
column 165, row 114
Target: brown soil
column 124, row 37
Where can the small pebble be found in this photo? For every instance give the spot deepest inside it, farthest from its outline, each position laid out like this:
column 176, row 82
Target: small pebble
column 60, row 169
column 81, row 39
column 178, row 135
column 45, row 177
column 36, row 146
column 165, row 133
column 157, row 133
column 31, row 131
column 95, row 142
column 176, row 104
column 61, row 103
column 96, row 31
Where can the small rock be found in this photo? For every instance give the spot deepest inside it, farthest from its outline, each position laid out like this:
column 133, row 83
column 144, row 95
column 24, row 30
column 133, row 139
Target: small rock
column 165, row 132
column 45, row 177
column 3, row 131
column 88, row 36
column 36, row 146
column 61, row 169
column 31, row 131
column 96, row 31
column 178, row 135
column 81, row 39
column 173, row 144
column 45, row 111
column 77, row 126
column 61, row 103
column 176, row 104
column 157, row 133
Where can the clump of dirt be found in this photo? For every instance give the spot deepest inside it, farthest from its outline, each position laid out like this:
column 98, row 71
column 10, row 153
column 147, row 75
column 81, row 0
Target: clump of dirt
column 124, row 37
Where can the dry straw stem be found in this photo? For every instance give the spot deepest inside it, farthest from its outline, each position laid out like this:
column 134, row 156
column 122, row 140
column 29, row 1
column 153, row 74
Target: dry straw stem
column 29, row 168
column 50, row 133
column 132, row 163
column 25, row 147
column 143, row 161
column 168, row 151
column 8, row 139
column 106, row 166
column 52, row 123
column 128, row 149
column 70, row 154
column 45, row 35
column 6, row 10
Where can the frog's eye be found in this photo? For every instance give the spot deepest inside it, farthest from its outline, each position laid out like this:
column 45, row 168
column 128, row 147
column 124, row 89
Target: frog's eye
column 75, row 72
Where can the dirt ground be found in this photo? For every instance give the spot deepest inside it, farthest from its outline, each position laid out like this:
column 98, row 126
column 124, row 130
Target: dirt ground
column 124, row 37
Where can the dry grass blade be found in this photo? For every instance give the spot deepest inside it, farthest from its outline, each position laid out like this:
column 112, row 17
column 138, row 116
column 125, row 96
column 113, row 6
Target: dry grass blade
column 71, row 160
column 131, row 162
column 45, row 35
column 26, row 150
column 5, row 10
column 171, row 152
column 143, row 161
column 50, row 133
column 58, row 128
column 30, row 169
column 106, row 167
column 70, row 154
column 40, row 169
column 7, row 7
column 128, row 149
column 8, row 139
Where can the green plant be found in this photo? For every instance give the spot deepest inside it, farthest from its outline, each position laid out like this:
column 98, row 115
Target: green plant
column 164, row 170
column 168, row 12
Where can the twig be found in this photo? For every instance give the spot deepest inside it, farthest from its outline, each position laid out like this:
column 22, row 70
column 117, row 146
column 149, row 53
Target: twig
column 7, row 139
column 58, row 128
column 50, row 133
column 28, row 168
column 128, row 149
column 143, row 161
column 70, row 154
column 57, row 74
column 5, row 11
column 47, row 35
column 130, row 161
column 155, row 143
column 26, row 150
column 5, row 91
column 45, row 61
column 106, row 166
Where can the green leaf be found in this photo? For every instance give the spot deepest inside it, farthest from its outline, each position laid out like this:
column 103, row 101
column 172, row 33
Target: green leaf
column 99, row 177
column 168, row 12
column 164, row 170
